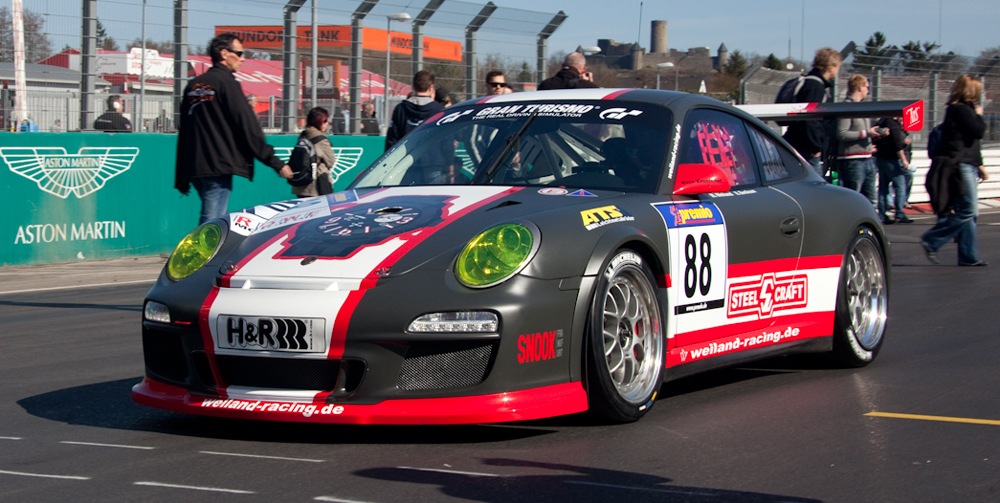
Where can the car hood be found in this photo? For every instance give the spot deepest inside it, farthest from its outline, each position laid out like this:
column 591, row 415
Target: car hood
column 361, row 235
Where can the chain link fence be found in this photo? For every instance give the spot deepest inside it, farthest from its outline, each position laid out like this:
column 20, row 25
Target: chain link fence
column 480, row 37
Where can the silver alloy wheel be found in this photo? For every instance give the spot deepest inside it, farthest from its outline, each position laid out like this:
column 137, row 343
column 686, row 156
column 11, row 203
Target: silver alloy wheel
column 633, row 348
column 867, row 295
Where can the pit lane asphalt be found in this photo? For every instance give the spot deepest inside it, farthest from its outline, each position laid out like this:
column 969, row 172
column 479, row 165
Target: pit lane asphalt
column 784, row 430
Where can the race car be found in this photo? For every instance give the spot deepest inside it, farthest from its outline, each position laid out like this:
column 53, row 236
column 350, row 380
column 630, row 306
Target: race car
column 519, row 257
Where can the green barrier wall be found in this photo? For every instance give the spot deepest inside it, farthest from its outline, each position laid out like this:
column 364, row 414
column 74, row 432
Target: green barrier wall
column 93, row 196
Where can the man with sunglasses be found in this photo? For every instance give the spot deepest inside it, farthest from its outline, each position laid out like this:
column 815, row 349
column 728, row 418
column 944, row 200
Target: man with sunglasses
column 219, row 135
column 496, row 83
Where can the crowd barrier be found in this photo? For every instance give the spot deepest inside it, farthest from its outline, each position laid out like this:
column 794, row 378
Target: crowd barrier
column 92, row 196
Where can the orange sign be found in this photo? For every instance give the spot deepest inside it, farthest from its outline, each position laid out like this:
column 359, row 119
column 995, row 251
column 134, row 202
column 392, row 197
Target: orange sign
column 270, row 37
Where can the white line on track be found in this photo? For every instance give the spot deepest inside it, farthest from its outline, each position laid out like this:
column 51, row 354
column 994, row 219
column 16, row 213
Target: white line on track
column 636, row 488
column 81, row 286
column 195, row 488
column 24, row 474
column 11, row 438
column 263, row 457
column 456, row 472
column 120, row 446
column 336, row 500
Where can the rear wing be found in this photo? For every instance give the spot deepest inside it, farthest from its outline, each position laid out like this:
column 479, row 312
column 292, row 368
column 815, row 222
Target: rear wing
column 912, row 112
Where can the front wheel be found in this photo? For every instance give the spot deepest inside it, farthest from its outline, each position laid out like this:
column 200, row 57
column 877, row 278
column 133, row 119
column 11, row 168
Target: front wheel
column 862, row 301
column 625, row 344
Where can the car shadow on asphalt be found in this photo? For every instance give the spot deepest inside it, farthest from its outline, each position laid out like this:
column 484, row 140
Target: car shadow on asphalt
column 566, row 483
column 109, row 405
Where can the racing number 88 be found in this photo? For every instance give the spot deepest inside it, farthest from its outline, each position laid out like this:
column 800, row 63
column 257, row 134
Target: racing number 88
column 697, row 278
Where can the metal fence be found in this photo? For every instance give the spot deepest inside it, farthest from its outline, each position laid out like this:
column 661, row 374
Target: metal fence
column 899, row 76
column 488, row 37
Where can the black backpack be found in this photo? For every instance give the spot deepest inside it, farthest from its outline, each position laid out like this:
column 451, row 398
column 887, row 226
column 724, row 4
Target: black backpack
column 303, row 160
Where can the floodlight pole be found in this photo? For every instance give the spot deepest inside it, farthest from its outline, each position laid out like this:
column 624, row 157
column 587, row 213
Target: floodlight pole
column 543, row 44
column 356, row 53
column 470, row 47
column 418, row 33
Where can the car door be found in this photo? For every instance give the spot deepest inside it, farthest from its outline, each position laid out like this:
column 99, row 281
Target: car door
column 726, row 247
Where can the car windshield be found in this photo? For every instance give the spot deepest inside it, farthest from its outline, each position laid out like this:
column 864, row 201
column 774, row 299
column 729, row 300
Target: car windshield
column 598, row 145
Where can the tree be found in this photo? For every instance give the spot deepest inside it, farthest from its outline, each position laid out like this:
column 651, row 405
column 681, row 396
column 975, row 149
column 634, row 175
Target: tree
column 873, row 55
column 736, row 66
column 104, row 41
column 917, row 57
column 37, row 45
column 773, row 62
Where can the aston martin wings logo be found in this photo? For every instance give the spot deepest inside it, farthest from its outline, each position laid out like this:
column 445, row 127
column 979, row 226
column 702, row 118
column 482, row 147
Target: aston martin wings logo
column 62, row 174
column 347, row 158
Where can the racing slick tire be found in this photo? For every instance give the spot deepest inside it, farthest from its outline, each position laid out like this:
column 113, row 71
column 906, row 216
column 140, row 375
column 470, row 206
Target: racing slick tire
column 862, row 301
column 625, row 344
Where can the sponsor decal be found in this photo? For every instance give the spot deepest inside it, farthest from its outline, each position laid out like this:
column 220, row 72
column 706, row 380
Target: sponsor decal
column 347, row 159
column 740, row 343
column 553, row 191
column 543, row 109
column 767, row 295
column 62, row 174
column 50, row 233
column 619, row 113
column 244, row 223
column 581, row 193
column 539, row 347
column 596, row 218
column 690, row 215
column 307, row 410
column 267, row 334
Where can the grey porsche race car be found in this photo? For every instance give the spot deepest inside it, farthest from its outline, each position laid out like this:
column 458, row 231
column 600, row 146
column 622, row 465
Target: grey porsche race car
column 518, row 257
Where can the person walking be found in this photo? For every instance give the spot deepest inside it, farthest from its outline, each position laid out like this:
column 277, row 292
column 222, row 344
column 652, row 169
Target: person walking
column 809, row 138
column 322, row 184
column 112, row 120
column 219, row 133
column 854, row 151
column 573, row 75
column 411, row 113
column 893, row 161
column 956, row 170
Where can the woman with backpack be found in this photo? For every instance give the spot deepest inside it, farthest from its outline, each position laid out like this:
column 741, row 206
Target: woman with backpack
column 322, row 182
column 956, row 170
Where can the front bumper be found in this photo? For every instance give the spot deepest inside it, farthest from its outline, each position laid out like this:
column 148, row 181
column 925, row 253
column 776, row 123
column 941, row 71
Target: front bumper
column 537, row 403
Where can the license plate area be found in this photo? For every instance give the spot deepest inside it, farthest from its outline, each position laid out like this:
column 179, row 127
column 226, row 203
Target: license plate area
column 266, row 333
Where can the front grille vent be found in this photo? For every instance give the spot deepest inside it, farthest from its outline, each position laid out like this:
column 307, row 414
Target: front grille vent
column 443, row 365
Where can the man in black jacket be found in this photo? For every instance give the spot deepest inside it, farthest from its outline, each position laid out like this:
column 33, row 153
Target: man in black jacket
column 219, row 133
column 809, row 138
column 574, row 75
column 112, row 120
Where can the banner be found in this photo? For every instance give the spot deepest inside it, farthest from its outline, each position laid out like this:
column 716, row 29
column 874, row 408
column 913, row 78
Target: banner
column 93, row 196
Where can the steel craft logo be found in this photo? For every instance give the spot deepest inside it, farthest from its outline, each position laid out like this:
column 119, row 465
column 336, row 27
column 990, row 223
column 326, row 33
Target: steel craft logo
column 605, row 215
column 62, row 174
column 347, row 158
column 767, row 295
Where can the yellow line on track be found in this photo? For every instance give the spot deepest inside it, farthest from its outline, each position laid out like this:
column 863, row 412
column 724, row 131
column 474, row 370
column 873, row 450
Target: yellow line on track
column 935, row 418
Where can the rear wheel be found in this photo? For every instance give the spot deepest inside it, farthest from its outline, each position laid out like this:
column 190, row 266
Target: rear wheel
column 862, row 302
column 625, row 345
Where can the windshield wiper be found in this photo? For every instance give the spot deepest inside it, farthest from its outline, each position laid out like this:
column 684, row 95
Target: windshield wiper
column 512, row 142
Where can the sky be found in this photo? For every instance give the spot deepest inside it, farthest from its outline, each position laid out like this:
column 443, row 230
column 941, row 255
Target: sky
column 966, row 26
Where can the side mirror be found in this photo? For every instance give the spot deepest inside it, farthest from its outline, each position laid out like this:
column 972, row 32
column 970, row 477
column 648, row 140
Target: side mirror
column 700, row 179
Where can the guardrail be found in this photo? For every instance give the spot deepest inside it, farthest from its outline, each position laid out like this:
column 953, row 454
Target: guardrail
column 989, row 189
column 91, row 196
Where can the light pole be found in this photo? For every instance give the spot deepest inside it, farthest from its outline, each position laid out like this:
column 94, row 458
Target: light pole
column 402, row 16
column 659, row 67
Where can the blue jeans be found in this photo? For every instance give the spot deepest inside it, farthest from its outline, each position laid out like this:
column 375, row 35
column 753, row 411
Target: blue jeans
column 214, row 192
column 962, row 221
column 816, row 163
column 891, row 172
column 859, row 175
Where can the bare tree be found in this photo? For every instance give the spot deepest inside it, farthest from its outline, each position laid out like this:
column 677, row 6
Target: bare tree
column 37, row 45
